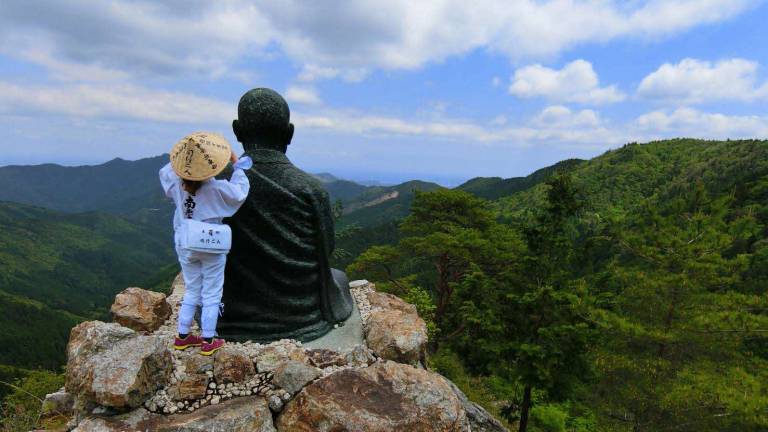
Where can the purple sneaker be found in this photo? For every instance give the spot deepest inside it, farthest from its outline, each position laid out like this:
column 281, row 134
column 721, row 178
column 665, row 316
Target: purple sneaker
column 189, row 341
column 210, row 348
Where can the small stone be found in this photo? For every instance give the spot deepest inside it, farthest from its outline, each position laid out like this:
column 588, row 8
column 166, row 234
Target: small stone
column 358, row 283
column 275, row 403
column 215, row 400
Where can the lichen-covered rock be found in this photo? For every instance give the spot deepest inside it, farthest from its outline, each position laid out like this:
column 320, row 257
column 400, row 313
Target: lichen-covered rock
column 232, row 365
column 384, row 397
column 248, row 414
column 394, row 330
column 114, row 366
column 191, row 387
column 323, row 358
column 198, row 364
column 479, row 419
column 58, row 403
column 292, row 376
column 275, row 403
column 359, row 356
column 273, row 356
column 140, row 310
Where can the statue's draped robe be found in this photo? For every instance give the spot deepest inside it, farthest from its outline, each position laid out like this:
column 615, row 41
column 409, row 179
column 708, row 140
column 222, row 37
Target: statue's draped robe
column 278, row 282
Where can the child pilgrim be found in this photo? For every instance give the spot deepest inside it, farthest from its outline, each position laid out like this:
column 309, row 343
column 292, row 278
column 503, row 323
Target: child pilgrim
column 202, row 240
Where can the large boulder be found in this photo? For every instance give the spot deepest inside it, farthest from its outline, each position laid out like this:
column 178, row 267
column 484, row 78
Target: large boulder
column 114, row 366
column 140, row 309
column 394, row 330
column 384, row 397
column 248, row 414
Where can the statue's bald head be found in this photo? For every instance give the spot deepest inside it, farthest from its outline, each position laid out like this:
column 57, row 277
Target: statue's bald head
column 263, row 120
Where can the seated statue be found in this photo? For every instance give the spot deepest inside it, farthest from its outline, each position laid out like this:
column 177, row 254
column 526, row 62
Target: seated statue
column 278, row 282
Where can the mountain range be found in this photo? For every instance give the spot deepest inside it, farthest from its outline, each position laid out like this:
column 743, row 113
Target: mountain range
column 84, row 233
column 77, row 235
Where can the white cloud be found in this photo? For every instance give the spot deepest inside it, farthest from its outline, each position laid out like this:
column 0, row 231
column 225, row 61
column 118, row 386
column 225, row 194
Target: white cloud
column 559, row 116
column 696, row 81
column 499, row 120
column 141, row 38
column 113, row 102
column 555, row 125
column 338, row 39
column 313, row 72
column 693, row 123
column 71, row 71
column 575, row 82
column 302, row 95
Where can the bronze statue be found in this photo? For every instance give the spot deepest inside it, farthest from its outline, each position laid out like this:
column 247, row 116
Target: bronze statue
column 278, row 281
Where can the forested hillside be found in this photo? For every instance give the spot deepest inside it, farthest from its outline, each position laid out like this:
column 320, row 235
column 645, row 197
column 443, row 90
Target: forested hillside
column 623, row 293
column 57, row 269
column 626, row 293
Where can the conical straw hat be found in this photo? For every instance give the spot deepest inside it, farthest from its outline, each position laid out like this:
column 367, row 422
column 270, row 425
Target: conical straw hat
column 200, row 155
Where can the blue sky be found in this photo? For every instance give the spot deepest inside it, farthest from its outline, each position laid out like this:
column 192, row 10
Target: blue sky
column 437, row 90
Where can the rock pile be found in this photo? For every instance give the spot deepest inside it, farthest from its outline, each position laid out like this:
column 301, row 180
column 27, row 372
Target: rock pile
column 125, row 376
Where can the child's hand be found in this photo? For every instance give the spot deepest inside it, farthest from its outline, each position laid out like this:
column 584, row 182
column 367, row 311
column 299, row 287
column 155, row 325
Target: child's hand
column 233, row 157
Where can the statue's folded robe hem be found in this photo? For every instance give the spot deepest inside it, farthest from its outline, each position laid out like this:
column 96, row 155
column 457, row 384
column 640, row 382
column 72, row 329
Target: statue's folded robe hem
column 278, row 282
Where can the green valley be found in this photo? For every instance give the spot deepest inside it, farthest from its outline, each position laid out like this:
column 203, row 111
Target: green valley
column 622, row 293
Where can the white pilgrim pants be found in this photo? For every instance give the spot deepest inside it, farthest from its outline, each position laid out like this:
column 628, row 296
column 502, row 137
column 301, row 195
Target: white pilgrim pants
column 204, row 284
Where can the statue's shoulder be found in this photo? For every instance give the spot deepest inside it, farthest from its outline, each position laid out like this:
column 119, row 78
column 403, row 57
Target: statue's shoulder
column 309, row 183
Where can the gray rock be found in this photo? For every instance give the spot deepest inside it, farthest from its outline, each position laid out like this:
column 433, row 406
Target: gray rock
column 292, row 376
column 394, row 330
column 359, row 356
column 479, row 419
column 275, row 403
column 196, row 364
column 249, row 414
column 271, row 357
column 58, row 403
column 113, row 366
column 358, row 283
